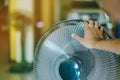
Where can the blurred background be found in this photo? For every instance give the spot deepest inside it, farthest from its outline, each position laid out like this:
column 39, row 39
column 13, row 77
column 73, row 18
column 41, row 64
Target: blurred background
column 23, row 21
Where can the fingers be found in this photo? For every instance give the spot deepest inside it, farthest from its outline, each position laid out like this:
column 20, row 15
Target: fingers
column 85, row 24
column 96, row 24
column 101, row 29
column 100, row 32
column 91, row 23
column 92, row 34
column 78, row 38
column 88, row 23
column 93, row 27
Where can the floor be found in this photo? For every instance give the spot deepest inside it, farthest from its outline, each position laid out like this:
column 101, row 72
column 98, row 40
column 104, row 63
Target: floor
column 6, row 75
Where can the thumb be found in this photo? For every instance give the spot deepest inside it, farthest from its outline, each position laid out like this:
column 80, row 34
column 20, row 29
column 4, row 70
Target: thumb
column 77, row 37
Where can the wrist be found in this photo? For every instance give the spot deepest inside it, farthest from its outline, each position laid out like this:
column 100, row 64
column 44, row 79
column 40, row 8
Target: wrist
column 96, row 45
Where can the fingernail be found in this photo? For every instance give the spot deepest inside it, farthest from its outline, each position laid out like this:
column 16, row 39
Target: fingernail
column 73, row 35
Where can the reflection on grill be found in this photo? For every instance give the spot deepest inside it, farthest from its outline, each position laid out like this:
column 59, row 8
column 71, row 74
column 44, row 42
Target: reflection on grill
column 60, row 57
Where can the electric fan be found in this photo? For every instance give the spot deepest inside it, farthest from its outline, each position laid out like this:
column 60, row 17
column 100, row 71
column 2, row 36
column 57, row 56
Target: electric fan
column 60, row 57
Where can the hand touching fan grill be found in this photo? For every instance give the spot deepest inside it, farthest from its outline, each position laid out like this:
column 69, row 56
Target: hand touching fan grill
column 60, row 57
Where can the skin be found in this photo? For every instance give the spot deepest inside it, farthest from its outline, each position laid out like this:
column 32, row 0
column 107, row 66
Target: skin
column 111, row 7
column 93, row 37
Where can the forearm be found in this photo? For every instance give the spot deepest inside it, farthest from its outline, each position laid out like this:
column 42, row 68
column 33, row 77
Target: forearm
column 109, row 45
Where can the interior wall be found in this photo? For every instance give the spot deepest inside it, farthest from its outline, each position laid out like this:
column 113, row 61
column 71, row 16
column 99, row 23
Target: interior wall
column 4, row 33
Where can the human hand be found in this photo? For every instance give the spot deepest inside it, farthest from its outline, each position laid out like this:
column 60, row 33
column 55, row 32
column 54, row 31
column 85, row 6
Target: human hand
column 92, row 34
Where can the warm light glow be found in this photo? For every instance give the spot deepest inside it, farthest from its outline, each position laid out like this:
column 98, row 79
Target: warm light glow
column 29, row 45
column 18, row 47
column 25, row 5
column 15, row 5
column 47, row 13
column 12, row 31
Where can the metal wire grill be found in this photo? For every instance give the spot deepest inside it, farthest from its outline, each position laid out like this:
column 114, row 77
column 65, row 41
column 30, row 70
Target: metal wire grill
column 56, row 46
